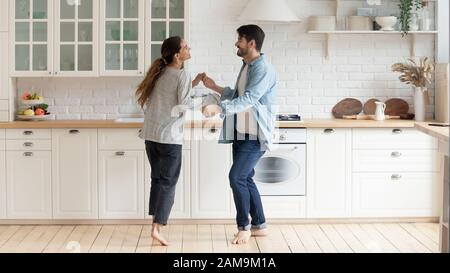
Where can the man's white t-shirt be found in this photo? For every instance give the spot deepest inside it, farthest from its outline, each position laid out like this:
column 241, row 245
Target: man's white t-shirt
column 246, row 122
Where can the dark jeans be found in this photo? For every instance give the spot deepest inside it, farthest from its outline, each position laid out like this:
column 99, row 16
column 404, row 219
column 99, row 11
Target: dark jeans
column 246, row 154
column 165, row 161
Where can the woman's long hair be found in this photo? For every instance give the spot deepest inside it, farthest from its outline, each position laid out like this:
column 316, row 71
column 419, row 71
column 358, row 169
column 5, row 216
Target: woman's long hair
column 170, row 47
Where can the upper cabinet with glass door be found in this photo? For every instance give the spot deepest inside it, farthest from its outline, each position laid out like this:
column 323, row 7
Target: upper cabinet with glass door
column 165, row 18
column 76, row 42
column 31, row 37
column 122, row 37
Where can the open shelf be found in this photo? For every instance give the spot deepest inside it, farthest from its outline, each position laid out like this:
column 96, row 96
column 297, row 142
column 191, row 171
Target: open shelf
column 368, row 32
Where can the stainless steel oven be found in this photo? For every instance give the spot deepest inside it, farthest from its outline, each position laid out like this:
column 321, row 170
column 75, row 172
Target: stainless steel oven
column 282, row 171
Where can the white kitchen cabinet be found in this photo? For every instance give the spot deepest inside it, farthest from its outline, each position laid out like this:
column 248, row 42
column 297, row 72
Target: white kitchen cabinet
column 4, row 73
column 328, row 173
column 284, row 207
column 395, row 195
column 74, row 173
column 122, row 37
column 392, row 138
column 2, row 175
column 182, row 206
column 121, row 185
column 211, row 192
column 29, row 185
column 164, row 19
column 4, row 16
column 31, row 37
column 76, row 38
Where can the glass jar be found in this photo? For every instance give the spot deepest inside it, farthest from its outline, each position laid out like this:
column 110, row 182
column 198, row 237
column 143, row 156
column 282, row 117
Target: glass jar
column 414, row 22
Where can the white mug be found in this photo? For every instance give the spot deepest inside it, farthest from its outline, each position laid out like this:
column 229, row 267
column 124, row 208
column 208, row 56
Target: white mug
column 379, row 112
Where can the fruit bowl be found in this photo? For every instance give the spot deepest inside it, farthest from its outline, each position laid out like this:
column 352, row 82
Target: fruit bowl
column 32, row 102
column 24, row 117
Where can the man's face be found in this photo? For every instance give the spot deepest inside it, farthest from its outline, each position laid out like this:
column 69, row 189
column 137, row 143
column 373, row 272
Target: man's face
column 243, row 46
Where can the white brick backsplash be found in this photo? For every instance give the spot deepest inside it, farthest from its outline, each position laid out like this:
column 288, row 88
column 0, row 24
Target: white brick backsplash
column 359, row 66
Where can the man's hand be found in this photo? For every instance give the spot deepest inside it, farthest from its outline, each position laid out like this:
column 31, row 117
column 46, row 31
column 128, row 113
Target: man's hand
column 211, row 110
column 198, row 79
column 211, row 84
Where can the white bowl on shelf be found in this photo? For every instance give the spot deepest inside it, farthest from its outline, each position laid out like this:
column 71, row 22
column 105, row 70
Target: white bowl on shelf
column 387, row 23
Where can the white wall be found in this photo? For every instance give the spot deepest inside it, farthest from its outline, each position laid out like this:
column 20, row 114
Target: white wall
column 442, row 55
column 309, row 84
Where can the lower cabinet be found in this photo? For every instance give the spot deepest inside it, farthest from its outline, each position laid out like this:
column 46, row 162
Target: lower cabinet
column 395, row 195
column 328, row 173
column 2, row 183
column 74, row 173
column 29, row 185
column 211, row 192
column 182, row 207
column 121, row 185
column 284, row 206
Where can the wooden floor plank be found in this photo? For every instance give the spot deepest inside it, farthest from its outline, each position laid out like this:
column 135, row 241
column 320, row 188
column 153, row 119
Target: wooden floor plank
column 190, row 239
column 7, row 233
column 339, row 243
column 145, row 241
column 352, row 241
column 175, row 239
column 370, row 243
column 38, row 239
column 422, row 238
column 430, row 230
column 204, row 237
column 131, row 239
column 14, row 241
column 386, row 246
column 290, row 236
column 219, row 239
column 101, row 242
column 307, row 239
column 58, row 241
column 274, row 242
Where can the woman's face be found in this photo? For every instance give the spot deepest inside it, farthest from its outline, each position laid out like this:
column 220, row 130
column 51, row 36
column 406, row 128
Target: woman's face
column 185, row 51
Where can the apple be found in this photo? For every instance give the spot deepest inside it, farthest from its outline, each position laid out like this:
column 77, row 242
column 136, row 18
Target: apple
column 39, row 112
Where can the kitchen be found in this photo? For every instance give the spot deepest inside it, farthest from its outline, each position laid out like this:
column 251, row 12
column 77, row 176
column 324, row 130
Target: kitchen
column 76, row 174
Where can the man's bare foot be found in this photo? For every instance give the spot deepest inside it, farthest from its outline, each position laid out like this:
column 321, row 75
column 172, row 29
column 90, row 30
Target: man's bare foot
column 156, row 235
column 242, row 237
column 260, row 232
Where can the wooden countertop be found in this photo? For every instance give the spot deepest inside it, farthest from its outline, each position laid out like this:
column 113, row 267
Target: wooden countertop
column 440, row 133
column 313, row 123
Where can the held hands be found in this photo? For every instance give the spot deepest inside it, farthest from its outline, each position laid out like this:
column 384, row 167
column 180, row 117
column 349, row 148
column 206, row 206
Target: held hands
column 198, row 79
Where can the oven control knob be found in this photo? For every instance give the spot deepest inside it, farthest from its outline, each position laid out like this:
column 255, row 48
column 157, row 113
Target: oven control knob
column 282, row 137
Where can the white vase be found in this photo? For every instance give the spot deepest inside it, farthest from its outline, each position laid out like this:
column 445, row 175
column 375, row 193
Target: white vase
column 419, row 104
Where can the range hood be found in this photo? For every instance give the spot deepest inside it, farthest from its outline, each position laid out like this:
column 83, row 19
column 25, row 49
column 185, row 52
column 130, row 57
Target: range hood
column 268, row 10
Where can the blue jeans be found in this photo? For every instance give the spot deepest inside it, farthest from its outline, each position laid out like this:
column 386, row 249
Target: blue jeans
column 246, row 154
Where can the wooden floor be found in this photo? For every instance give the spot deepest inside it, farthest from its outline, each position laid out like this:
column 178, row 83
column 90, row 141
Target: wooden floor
column 407, row 237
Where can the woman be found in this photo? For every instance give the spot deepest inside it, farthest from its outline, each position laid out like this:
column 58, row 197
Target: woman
column 165, row 87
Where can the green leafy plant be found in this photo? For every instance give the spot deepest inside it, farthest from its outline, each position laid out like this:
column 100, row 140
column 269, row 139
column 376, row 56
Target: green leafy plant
column 406, row 7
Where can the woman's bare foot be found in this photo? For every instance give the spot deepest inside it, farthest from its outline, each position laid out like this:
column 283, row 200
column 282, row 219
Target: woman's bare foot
column 242, row 237
column 260, row 232
column 157, row 235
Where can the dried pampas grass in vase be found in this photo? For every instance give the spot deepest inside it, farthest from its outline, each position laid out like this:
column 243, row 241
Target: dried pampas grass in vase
column 417, row 75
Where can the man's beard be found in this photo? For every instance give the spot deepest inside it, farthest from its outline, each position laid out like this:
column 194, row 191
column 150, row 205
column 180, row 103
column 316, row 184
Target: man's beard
column 242, row 52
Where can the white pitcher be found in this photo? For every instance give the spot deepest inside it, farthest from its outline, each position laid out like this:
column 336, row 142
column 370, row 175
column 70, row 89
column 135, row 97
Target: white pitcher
column 379, row 111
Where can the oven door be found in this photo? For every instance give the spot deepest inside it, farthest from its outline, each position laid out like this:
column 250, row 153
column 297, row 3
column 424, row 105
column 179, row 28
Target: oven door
column 282, row 172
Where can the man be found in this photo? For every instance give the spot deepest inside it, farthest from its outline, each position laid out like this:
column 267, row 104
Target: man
column 249, row 125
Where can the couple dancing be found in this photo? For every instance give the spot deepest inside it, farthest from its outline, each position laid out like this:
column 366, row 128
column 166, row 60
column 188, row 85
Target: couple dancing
column 248, row 124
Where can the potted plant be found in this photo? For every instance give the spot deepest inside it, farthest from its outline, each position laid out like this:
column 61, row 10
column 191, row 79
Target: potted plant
column 408, row 9
column 417, row 75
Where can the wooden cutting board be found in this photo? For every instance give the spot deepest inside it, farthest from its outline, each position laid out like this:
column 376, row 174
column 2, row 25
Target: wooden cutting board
column 370, row 106
column 396, row 107
column 347, row 107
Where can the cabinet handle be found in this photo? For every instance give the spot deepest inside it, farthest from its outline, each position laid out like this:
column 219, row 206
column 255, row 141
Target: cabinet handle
column 396, row 177
column 397, row 131
column 328, row 131
column 396, row 154
column 28, row 133
column 120, row 153
column 28, row 154
column 213, row 130
column 28, row 144
column 74, row 132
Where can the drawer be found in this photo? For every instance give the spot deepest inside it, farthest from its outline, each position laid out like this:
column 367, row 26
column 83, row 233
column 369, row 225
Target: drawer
column 395, row 195
column 396, row 161
column 284, row 206
column 4, row 105
column 393, row 138
column 28, row 134
column 4, row 116
column 28, row 145
column 120, row 139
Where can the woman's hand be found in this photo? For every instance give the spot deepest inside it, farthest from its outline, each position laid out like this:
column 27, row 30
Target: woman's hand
column 198, row 79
